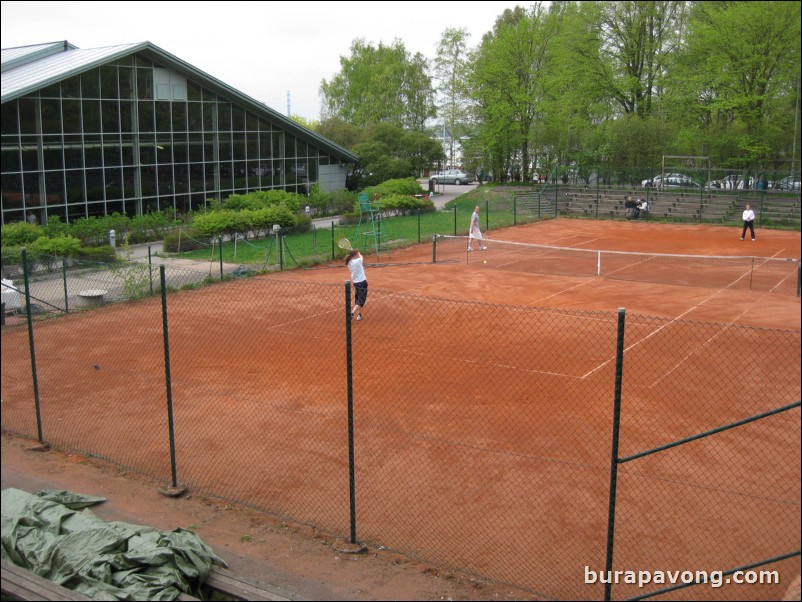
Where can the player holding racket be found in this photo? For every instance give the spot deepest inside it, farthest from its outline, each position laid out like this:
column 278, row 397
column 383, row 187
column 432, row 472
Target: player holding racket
column 354, row 262
column 475, row 231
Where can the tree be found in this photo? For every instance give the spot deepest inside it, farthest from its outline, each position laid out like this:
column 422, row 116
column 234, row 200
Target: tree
column 381, row 84
column 451, row 71
column 740, row 74
column 508, row 83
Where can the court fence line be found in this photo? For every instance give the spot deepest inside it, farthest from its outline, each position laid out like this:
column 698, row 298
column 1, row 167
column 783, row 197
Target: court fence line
column 511, row 487
column 735, row 271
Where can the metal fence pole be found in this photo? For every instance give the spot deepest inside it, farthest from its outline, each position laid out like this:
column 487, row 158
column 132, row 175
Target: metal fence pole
column 350, row 393
column 221, row 259
column 619, row 370
column 150, row 270
column 29, row 316
column 66, row 289
column 167, row 380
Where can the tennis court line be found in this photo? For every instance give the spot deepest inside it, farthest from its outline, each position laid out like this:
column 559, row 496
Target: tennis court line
column 667, row 324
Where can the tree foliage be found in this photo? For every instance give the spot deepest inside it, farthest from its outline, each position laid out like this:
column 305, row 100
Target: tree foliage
column 621, row 83
column 380, row 84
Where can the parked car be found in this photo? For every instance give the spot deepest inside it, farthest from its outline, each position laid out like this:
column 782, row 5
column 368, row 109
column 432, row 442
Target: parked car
column 451, row 176
column 736, row 182
column 671, row 180
column 789, row 183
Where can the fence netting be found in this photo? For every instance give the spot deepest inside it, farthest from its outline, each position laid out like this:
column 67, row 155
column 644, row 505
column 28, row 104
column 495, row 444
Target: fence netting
column 482, row 432
column 731, row 272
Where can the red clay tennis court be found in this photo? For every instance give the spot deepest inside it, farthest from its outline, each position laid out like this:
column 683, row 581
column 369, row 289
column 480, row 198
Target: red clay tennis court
column 482, row 403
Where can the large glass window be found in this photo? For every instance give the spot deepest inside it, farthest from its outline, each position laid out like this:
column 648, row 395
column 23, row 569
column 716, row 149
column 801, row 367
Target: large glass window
column 163, row 117
column 102, row 135
column 95, row 187
column 127, row 122
column 90, row 87
column 91, row 116
column 71, row 88
column 10, row 158
column 111, row 116
column 27, row 115
column 147, row 122
column 108, row 82
column 73, row 151
column 224, row 117
column 71, row 112
column 54, row 183
column 52, row 152
column 238, row 119
column 30, row 153
column 51, row 116
column 179, row 117
column 112, row 155
column 126, row 75
column 144, row 84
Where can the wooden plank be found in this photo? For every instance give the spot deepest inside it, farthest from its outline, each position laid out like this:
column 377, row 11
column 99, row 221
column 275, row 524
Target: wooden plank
column 22, row 584
column 227, row 582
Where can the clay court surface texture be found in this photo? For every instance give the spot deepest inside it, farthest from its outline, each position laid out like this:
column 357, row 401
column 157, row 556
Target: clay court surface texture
column 479, row 445
column 467, row 277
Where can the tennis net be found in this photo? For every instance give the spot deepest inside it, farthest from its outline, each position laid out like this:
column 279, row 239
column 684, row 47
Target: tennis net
column 738, row 273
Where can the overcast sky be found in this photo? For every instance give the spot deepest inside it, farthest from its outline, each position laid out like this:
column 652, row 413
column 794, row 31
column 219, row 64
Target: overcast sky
column 267, row 50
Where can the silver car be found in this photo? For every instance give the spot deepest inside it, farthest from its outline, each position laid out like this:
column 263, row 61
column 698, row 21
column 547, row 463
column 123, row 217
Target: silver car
column 451, row 176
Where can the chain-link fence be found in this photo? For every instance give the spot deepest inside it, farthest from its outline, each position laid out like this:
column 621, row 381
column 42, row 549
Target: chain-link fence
column 474, row 436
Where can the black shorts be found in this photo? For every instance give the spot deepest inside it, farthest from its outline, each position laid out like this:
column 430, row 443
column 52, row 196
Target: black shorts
column 361, row 292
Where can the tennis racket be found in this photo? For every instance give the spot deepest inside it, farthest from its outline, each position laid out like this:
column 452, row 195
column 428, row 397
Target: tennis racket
column 344, row 243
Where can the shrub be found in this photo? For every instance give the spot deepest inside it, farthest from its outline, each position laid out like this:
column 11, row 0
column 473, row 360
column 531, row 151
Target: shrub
column 103, row 253
column 19, row 234
column 408, row 186
column 187, row 239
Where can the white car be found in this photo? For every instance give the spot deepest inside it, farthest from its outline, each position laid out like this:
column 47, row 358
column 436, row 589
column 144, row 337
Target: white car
column 451, row 176
column 671, row 180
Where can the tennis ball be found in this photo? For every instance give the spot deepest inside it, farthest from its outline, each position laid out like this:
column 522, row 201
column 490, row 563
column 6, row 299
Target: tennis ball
column 485, row 261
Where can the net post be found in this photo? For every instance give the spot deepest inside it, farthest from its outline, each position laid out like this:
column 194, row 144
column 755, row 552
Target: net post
column 598, row 263
column 798, row 274
column 434, row 248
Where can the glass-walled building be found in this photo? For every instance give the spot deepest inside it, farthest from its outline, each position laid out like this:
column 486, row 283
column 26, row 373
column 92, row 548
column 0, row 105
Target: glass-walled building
column 133, row 129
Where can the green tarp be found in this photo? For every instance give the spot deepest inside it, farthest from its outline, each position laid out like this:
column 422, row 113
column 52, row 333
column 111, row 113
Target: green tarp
column 52, row 534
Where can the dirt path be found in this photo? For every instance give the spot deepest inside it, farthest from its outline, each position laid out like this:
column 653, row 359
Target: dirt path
column 296, row 560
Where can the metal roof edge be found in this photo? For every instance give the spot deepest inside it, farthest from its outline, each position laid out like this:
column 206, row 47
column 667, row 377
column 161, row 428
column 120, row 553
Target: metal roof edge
column 255, row 104
column 186, row 68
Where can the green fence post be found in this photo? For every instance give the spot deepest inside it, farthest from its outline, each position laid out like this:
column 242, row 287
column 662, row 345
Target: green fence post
column 514, row 210
column 221, row 258
column 332, row 241
column 66, row 291
column 350, row 394
column 487, row 217
column 167, row 380
column 29, row 316
column 619, row 370
column 150, row 269
column 455, row 218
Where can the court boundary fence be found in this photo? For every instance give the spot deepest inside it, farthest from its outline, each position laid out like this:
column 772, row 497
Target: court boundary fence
column 531, row 582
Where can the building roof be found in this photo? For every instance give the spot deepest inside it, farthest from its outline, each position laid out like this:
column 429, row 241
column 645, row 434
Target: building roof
column 29, row 68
